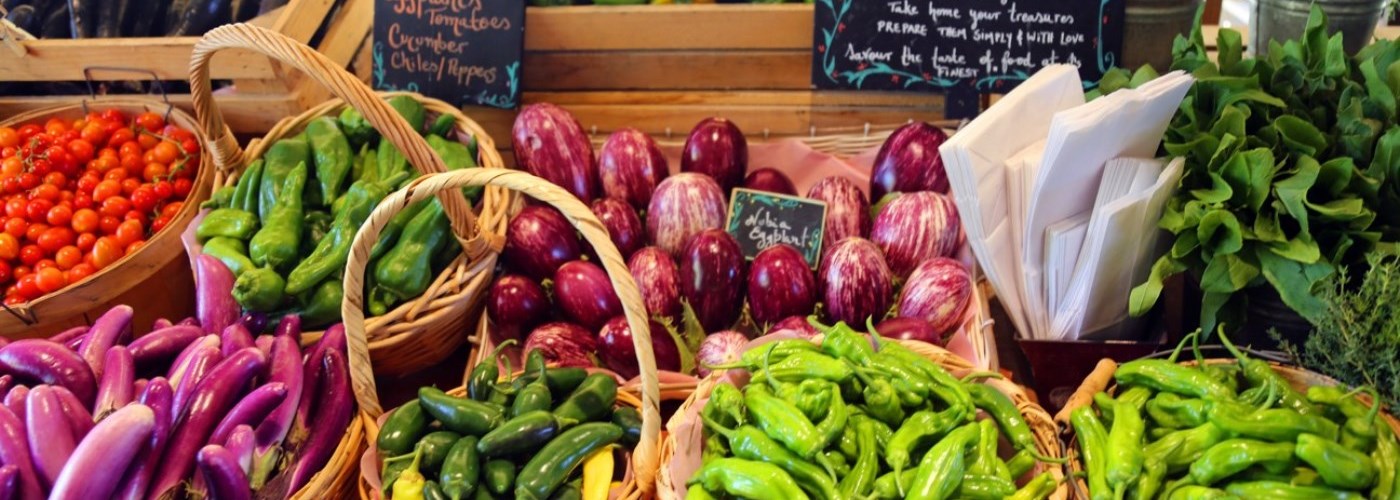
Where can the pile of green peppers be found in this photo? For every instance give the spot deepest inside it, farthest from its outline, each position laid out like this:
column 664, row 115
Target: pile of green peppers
column 1234, row 430
column 509, row 438
column 854, row 419
column 286, row 227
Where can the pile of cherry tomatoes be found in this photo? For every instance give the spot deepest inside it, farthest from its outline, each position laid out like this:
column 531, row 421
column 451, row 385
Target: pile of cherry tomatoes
column 81, row 194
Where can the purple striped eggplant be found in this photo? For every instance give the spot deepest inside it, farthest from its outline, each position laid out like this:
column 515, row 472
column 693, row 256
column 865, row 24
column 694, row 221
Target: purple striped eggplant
column 624, row 228
column 516, row 304
column 116, row 387
column 333, row 413
column 79, row 418
column 549, row 143
column 214, row 304
column 72, row 333
column 908, row 161
column 15, row 451
column 585, row 294
column 712, row 278
column 214, row 396
column 771, row 180
column 332, row 340
column 563, row 344
column 161, row 345
column 17, row 400
column 284, row 366
column 234, row 338
column 112, row 328
column 718, row 149
column 907, row 328
column 9, row 482
column 683, row 205
column 847, row 209
column 794, row 324
column 160, row 398
column 856, row 282
column 719, row 348
column 200, row 364
column 50, row 439
column 780, row 285
column 618, row 353
column 938, row 291
column 630, row 167
column 223, row 478
column 658, row 280
column 50, row 363
column 917, row 227
column 538, row 241
column 96, row 467
column 252, row 410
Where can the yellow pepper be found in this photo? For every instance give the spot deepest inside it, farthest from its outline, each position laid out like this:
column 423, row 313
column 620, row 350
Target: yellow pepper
column 598, row 474
column 410, row 484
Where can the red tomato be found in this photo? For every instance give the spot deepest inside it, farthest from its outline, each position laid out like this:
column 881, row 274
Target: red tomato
column 105, row 163
column 55, row 126
column 50, row 279
column 28, row 287
column 35, row 231
column 183, row 187
column 11, row 166
column 45, row 264
column 9, row 248
column 15, row 207
column 47, row 192
column 164, row 189
column 11, row 185
column 85, row 241
column 31, row 254
column 129, row 185
column 147, row 140
column 150, row 121
column 60, row 216
column 171, row 209
column 80, row 271
column 133, row 163
column 177, row 133
column 116, row 174
column 55, row 238
column 94, row 133
column 81, row 150
column 130, row 231
column 154, row 171
column 166, row 152
column 30, row 180
column 159, row 224
column 16, row 226
column 109, row 224
column 5, row 272
column 9, row 137
column 82, row 200
column 68, row 256
column 144, row 198
column 115, row 206
column 21, row 271
column 105, row 252
column 114, row 115
column 57, row 179
column 88, row 181
column 130, row 149
column 106, row 189
column 28, row 130
column 190, row 146
column 38, row 209
column 134, row 246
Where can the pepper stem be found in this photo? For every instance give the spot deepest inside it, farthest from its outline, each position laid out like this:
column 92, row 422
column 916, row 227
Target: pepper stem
column 768, row 355
column 875, row 337
column 981, row 375
column 1230, row 346
column 1176, row 353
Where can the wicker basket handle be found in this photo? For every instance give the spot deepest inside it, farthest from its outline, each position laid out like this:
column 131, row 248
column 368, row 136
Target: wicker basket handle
column 228, row 156
column 1097, row 381
column 646, row 455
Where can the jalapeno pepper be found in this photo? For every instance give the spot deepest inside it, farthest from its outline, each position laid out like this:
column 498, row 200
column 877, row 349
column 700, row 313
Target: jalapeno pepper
column 749, row 443
column 499, row 476
column 942, row 467
column 534, row 396
column 746, row 479
column 435, row 446
column 279, row 240
column 554, row 463
column 591, row 401
column 461, row 469
column 1339, row 466
column 462, row 415
column 522, row 434
column 486, row 373
column 1233, row 456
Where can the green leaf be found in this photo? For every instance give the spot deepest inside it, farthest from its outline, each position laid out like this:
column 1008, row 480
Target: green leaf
column 1219, row 234
column 1343, row 210
column 1231, row 122
column 1229, row 273
column 1229, row 50
column 1293, row 191
column 1249, row 175
column 1335, row 176
column 691, row 330
column 1385, row 164
column 1144, row 296
column 1185, row 243
column 1300, row 136
column 1294, row 281
column 1377, row 89
column 1211, row 305
column 1219, row 191
column 1250, row 95
column 1302, row 249
column 1173, row 220
column 1266, row 228
column 1144, row 74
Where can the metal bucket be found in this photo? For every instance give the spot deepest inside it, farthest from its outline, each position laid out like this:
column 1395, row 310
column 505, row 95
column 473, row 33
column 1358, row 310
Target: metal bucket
column 1149, row 28
column 1285, row 19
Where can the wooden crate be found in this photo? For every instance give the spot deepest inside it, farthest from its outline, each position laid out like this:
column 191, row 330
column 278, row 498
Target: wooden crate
column 262, row 92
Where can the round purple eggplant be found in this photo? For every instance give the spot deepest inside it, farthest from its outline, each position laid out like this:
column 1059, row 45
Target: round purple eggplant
column 624, row 228
column 658, row 280
column 618, row 354
column 585, row 293
column 908, row 161
column 630, row 167
column 796, row 324
column 683, row 205
column 916, row 227
column 771, row 180
column 847, row 210
column 712, row 278
column 517, row 303
column 563, row 344
column 718, row 149
column 719, row 348
column 538, row 241
column 780, row 285
column 938, row 291
column 907, row 328
column 856, row 283
column 549, row 143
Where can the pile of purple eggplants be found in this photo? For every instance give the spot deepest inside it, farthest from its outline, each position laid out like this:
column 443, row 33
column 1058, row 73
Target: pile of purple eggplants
column 199, row 408
column 891, row 265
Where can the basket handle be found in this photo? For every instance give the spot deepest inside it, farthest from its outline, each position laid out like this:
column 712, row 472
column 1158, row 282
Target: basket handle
column 228, row 156
column 1097, row 380
column 646, row 456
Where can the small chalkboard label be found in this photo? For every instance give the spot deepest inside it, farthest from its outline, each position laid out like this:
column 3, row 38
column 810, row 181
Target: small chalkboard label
column 961, row 47
column 460, row 51
column 759, row 219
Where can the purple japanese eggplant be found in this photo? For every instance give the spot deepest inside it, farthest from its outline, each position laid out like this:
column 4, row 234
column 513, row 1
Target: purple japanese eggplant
column 712, row 278
column 907, row 328
column 718, row 149
column 161, row 323
column 264, row 344
column 223, row 478
column 214, row 304
column 110, row 329
column 332, row 340
column 15, row 451
column 908, row 161
column 619, row 354
column 160, row 398
column 539, row 240
column 254, row 320
column 96, row 467
column 200, row 364
column 719, row 348
column 182, row 360
column 795, row 324
column 623, row 225
column 252, row 410
column 241, row 442
column 683, row 205
column 289, row 326
column 215, row 395
column 17, row 400
column 76, row 343
column 333, row 413
column 938, row 291
column 79, row 418
column 517, row 303
column 116, row 387
column 630, row 167
column 72, row 333
column 771, row 180
column 161, row 345
column 234, row 338
column 916, row 227
column 50, row 363
column 190, row 321
column 847, row 209
column 563, row 344
column 585, row 294
column 856, row 282
column 284, row 366
column 9, row 482
column 550, row 144
column 658, row 280
column 780, row 285
column 6, row 382
column 50, row 439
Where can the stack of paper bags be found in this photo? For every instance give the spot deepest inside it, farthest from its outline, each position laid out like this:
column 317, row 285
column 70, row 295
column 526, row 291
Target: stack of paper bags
column 1060, row 198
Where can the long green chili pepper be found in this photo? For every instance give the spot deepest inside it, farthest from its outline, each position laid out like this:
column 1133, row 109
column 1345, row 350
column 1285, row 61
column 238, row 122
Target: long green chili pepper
column 1278, row 424
column 861, row 479
column 726, row 406
column 331, row 152
column 779, row 350
column 749, row 443
column 1339, row 466
column 812, row 396
column 228, row 223
column 1104, row 403
column 1284, row 491
column 886, row 487
column 747, row 479
column 406, row 271
column 1226, row 374
column 829, row 429
column 1136, row 396
column 1339, row 398
column 1124, row 447
column 979, row 487
column 943, row 466
column 843, row 342
column 1038, row 488
column 1154, row 472
column 1171, row 410
column 882, row 403
column 1093, row 440
column 276, row 244
column 910, row 385
column 245, row 192
column 1196, row 492
column 782, row 421
column 279, row 160
column 1021, row 463
column 1233, row 456
column 919, row 430
column 1004, row 411
column 332, row 251
column 944, row 385
column 233, row 253
column 1179, row 449
column 1387, row 462
column 1260, row 374
column 485, row 374
column 1163, row 375
column 839, row 468
column 803, row 365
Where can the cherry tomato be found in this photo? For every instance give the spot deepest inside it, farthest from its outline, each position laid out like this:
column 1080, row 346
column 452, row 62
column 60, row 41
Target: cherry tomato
column 114, row 115
column 80, row 271
column 9, row 137
column 105, row 252
column 57, row 179
column 129, row 185
column 135, row 215
column 9, row 248
column 109, row 224
column 50, row 279
column 183, row 187
column 190, row 146
column 11, row 185
column 129, row 232
column 159, row 224
column 28, row 130
column 116, row 174
column 88, row 181
column 60, row 216
column 94, row 133
column 85, row 241
column 150, row 121
column 177, row 133
column 12, row 166
column 31, row 254
column 82, row 200
column 81, row 150
column 16, row 226
column 55, row 238
column 106, row 189
column 134, row 246
column 29, row 180
column 133, row 162
column 164, row 189
column 154, row 171
column 4, row 272
column 35, row 231
column 55, row 126
column 115, row 206
column 105, row 163
column 48, row 192
column 166, row 152
column 45, row 264
column 145, row 198
column 171, row 209
column 15, row 299
column 147, row 140
column 68, row 256
column 21, row 271
column 15, row 207
column 130, row 149
column 38, row 209
column 28, row 287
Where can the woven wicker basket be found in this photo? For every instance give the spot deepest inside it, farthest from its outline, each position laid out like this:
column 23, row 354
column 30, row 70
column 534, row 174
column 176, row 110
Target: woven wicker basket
column 676, row 470
column 420, row 332
column 640, row 480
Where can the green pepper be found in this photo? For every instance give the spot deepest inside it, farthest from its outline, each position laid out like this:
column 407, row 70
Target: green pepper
column 561, row 381
column 402, row 430
column 486, row 373
column 1277, row 424
column 1163, row 375
column 1093, row 442
column 431, row 491
column 1008, row 416
column 943, row 465
column 1154, row 472
column 322, row 308
column 1226, row 374
column 558, row 460
column 1233, row 456
column 435, row 446
column 861, row 479
column 919, row 430
column 522, row 434
column 843, row 342
column 887, row 485
column 333, row 250
column 846, row 445
column 356, row 128
column 592, row 401
column 1171, row 410
column 812, row 396
column 1038, row 488
column 534, row 396
column 830, row 428
column 630, row 420
column 1124, row 447
column 411, row 110
column 246, row 190
column 573, row 490
column 749, row 443
column 943, row 384
column 406, row 271
column 714, row 447
column 806, row 365
column 1339, row 398
column 233, row 253
column 882, row 403
column 1387, row 463
column 1359, row 432
column 389, row 161
column 1179, row 449
column 461, row 469
column 1260, row 374
column 442, row 125
column 776, row 351
column 834, row 459
column 279, row 240
column 389, row 236
column 979, row 487
column 259, row 289
column 1195, row 492
column 278, row 162
column 331, row 152
column 985, row 460
column 1136, row 396
column 222, row 198
column 500, row 476
column 456, row 156
column 1104, row 403
column 782, row 421
column 501, row 393
column 1284, row 491
column 465, row 416
column 749, row 479
column 1021, row 463
column 226, row 222
column 1339, row 466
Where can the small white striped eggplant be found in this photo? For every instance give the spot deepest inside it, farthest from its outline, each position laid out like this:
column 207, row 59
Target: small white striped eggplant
column 585, row 294
column 539, row 240
column 623, row 225
column 847, row 209
column 630, row 166
column 517, row 303
column 908, row 161
column 856, row 282
column 916, row 227
column 658, row 280
column 683, row 205
column 938, row 291
column 549, row 143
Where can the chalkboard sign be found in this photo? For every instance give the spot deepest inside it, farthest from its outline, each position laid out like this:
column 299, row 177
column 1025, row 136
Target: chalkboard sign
column 759, row 219
column 460, row 51
column 962, row 47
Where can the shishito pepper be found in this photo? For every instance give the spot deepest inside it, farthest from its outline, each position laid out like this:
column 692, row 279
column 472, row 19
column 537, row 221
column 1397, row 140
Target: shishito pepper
column 259, row 289
column 322, row 308
column 278, row 162
column 919, row 430
column 1284, row 491
column 882, row 403
column 812, row 396
column 1002, row 409
column 803, row 365
column 985, row 461
column 1173, row 411
column 1260, row 374
column 1124, row 447
column 1339, row 466
column 406, row 271
column 355, row 127
column 226, row 222
column 1276, row 424
column 1093, row 442
column 1164, row 375
column 746, row 479
column 749, row 443
column 279, row 240
column 331, row 152
column 333, row 250
column 233, row 253
column 783, row 421
column 861, row 480
column 1197, row 492
column 1037, row 488
column 1387, row 462
column 943, row 465
column 1233, row 456
column 1179, row 449
column 980, row 487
